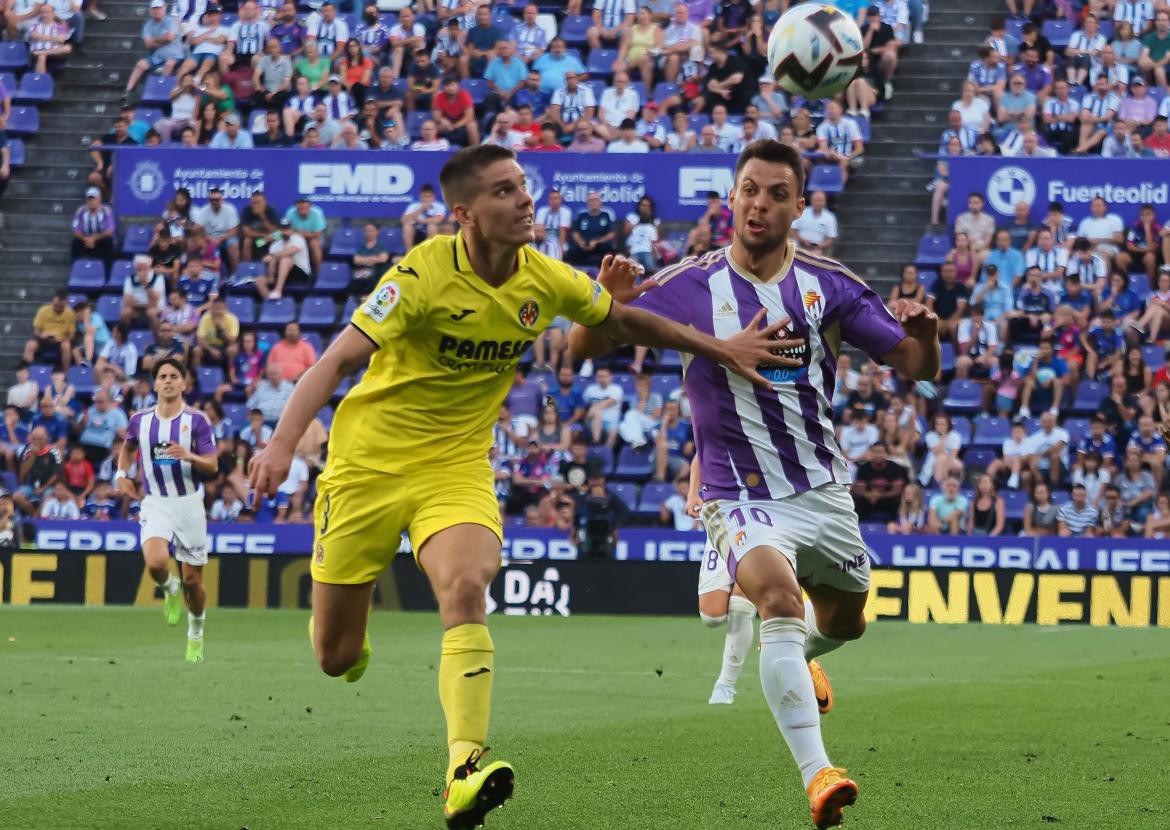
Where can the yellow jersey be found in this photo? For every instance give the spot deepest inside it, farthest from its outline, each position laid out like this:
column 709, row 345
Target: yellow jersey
column 448, row 346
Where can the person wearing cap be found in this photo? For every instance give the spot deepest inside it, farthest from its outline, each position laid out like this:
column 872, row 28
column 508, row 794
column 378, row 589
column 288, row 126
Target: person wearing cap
column 93, row 229
column 449, row 54
column 164, row 41
column 453, row 113
column 308, row 220
column 207, row 41
column 1138, row 109
column 619, row 103
column 287, row 258
column 338, row 102
column 231, row 137
column 627, row 140
column 649, row 128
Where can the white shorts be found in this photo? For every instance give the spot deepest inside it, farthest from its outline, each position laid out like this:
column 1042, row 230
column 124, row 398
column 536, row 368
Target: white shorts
column 713, row 573
column 178, row 519
column 817, row 530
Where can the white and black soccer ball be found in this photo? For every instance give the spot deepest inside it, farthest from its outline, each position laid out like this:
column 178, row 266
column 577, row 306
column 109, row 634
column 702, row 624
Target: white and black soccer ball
column 815, row 51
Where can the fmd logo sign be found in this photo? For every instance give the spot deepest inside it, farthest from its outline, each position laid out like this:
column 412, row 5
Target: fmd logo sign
column 341, row 182
column 1007, row 187
column 694, row 183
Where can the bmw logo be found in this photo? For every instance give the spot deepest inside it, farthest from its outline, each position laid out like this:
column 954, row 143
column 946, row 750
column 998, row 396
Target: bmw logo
column 1007, row 187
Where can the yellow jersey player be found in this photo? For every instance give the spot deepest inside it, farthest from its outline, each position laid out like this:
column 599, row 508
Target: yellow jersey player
column 442, row 334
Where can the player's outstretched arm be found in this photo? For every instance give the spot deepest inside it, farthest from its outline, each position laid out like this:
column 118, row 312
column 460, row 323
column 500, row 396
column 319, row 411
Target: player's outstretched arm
column 348, row 353
column 918, row 356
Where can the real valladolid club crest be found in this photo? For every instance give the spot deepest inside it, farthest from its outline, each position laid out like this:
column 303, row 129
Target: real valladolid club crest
column 146, row 181
column 814, row 304
column 534, row 182
column 528, row 314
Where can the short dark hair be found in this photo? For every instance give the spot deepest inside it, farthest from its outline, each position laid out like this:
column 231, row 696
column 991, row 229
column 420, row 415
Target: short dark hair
column 458, row 178
column 773, row 152
column 168, row 361
column 60, row 294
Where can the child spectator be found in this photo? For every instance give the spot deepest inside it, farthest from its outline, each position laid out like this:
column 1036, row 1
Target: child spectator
column 59, row 504
column 78, row 475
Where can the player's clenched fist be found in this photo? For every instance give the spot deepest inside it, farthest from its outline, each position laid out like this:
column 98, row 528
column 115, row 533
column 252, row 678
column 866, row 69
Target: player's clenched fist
column 268, row 469
column 618, row 275
column 917, row 320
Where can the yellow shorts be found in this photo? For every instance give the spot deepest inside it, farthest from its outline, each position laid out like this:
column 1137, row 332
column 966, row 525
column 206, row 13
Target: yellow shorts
column 360, row 514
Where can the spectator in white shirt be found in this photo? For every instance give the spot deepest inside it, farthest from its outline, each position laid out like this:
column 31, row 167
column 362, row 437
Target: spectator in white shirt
column 1013, row 459
column 627, row 140
column 1048, row 449
column 618, row 103
column 604, row 399
column 144, row 293
column 421, row 219
column 60, row 504
column 682, row 46
column 726, row 133
column 857, row 437
column 839, row 138
column 287, row 257
column 429, row 139
column 674, row 509
column 942, row 452
column 502, row 134
column 1103, row 229
column 816, row 228
column 119, row 354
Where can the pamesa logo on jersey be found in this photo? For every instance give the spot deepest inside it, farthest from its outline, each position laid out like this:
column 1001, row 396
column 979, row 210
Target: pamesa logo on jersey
column 147, row 181
column 1008, row 186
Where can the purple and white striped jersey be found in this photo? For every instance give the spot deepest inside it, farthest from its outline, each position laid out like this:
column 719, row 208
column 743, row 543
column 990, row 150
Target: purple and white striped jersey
column 152, row 435
column 757, row 443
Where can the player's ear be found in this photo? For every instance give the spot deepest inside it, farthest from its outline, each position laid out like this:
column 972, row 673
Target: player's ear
column 462, row 215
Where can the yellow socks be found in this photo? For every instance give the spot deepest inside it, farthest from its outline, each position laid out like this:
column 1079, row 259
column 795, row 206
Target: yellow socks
column 465, row 689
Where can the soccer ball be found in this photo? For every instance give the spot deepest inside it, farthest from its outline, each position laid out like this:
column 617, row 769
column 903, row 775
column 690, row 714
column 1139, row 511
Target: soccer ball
column 814, row 51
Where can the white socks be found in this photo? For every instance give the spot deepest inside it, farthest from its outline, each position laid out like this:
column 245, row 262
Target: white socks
column 195, row 626
column 817, row 643
column 741, row 615
column 788, row 688
column 171, row 585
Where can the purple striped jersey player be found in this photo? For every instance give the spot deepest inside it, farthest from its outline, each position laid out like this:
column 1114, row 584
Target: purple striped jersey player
column 774, row 485
column 175, row 449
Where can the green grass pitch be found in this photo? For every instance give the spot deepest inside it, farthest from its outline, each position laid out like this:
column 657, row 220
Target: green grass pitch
column 103, row 726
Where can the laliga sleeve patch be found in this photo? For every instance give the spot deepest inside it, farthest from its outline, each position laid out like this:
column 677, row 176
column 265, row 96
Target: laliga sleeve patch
column 383, row 301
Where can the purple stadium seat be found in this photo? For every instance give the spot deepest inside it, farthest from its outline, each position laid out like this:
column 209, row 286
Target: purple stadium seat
column 141, row 340
column 1058, row 32
column 598, row 88
column 933, row 249
column 478, row 88
column 326, row 416
column 119, row 272
column 148, row 115
column 333, row 278
column 927, row 278
column 653, row 495
column 343, row 387
column 1015, row 26
column 979, row 459
column 628, row 493
column 136, row 240
column 698, row 121
column 237, row 413
column 670, row 361
column 626, row 383
column 313, row 339
column 23, row 120
column 9, row 81
column 1140, row 283
column 267, row 339
column 35, row 88
column 1154, row 356
column 414, row 122
column 1089, row 396
column 827, row 178
column 87, row 275
column 640, row 88
column 110, row 307
column 574, row 28
column 1106, row 29
column 350, row 307
column 391, row 238
column 962, row 427
column 664, row 384
column 82, row 379
column 14, row 55
column 947, row 350
column 600, row 63
column 634, row 465
column 278, row 312
column 964, row 397
column 318, row 312
column 1015, row 502
column 157, row 90
column 249, row 269
column 16, row 152
column 1031, row 425
column 210, row 379
column 990, row 432
column 243, row 307
column 345, row 242
column 604, row 456
column 663, row 90
column 864, row 127
column 42, row 373
column 1077, row 428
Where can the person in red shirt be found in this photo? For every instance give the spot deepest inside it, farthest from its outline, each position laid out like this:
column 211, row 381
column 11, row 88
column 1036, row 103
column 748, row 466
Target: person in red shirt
column 78, row 474
column 454, row 114
column 549, row 139
column 526, row 125
column 292, row 354
column 1159, row 139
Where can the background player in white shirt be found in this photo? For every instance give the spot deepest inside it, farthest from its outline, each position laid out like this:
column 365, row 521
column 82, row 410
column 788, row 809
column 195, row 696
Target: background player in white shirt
column 177, row 449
